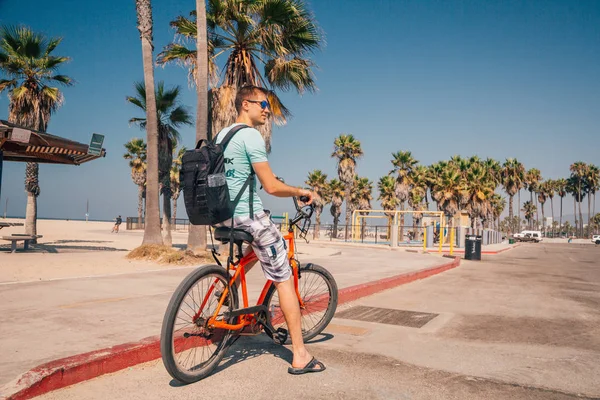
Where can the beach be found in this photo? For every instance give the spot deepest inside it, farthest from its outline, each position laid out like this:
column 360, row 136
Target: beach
column 75, row 249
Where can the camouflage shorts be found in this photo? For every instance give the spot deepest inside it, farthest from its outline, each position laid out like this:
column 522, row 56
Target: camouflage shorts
column 268, row 244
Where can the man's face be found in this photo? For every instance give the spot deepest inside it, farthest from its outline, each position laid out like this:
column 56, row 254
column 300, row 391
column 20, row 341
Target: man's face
column 258, row 108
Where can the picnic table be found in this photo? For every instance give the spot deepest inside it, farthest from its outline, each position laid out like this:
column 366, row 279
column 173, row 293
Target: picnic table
column 7, row 224
column 17, row 237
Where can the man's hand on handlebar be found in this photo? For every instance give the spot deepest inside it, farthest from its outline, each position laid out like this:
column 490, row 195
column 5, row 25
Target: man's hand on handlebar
column 307, row 196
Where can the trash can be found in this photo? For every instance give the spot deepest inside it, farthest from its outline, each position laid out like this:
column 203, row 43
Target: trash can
column 511, row 241
column 473, row 247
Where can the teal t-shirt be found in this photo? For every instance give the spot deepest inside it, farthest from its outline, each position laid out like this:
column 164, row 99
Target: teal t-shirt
column 245, row 148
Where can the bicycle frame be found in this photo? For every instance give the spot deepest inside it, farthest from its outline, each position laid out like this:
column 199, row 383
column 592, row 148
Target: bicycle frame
column 240, row 271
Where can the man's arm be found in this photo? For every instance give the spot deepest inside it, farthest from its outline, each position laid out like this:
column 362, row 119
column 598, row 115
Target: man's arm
column 274, row 186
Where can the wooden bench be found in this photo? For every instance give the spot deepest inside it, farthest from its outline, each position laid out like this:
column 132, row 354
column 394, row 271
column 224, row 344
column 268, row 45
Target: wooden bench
column 15, row 237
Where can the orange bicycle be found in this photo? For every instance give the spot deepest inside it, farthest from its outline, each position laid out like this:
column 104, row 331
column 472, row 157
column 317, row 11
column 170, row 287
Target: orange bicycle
column 203, row 317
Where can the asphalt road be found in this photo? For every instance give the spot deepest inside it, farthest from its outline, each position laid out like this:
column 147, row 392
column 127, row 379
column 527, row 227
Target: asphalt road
column 521, row 325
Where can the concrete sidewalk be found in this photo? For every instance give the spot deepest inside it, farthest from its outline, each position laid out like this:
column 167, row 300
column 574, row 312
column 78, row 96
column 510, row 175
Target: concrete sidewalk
column 48, row 320
column 521, row 325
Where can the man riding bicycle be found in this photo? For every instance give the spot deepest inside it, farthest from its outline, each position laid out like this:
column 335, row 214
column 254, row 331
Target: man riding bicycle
column 246, row 152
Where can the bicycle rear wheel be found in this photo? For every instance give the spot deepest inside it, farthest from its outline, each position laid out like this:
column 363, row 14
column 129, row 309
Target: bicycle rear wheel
column 190, row 350
column 319, row 293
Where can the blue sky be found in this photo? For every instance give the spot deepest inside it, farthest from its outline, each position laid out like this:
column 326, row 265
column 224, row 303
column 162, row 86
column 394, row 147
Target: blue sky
column 496, row 78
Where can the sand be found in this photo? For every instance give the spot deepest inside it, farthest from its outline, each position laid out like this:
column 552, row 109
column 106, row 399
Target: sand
column 75, row 249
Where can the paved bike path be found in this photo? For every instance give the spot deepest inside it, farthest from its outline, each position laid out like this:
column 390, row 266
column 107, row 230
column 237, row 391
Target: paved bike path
column 49, row 320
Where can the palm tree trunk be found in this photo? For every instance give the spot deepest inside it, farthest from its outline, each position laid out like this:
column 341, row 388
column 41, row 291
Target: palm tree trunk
column 197, row 234
column 167, row 237
column 317, row 231
column 552, row 210
column 335, row 226
column 543, row 218
column 152, row 227
column 561, row 212
column 589, row 212
column 140, row 204
column 33, row 191
column 175, row 212
column 576, row 223
column 580, row 214
column 348, row 210
column 31, row 215
column 510, row 212
column 519, row 210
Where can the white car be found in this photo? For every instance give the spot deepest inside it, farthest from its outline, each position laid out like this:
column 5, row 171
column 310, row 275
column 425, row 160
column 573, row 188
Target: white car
column 596, row 239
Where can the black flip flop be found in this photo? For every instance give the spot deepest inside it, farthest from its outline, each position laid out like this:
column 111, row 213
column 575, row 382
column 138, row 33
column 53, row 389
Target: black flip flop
column 310, row 367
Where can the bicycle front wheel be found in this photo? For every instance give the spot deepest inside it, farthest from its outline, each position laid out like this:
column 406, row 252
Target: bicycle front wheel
column 190, row 350
column 319, row 293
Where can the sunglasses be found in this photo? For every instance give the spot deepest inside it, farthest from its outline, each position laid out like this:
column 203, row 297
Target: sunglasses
column 263, row 104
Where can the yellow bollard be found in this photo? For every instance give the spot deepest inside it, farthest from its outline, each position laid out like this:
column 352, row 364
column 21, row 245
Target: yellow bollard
column 452, row 242
column 424, row 239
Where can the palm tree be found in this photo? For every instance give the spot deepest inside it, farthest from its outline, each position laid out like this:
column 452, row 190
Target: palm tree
column 448, row 188
column 277, row 35
column 550, row 192
column 512, row 174
column 578, row 173
column 532, row 179
column 317, row 181
column 592, row 175
column 479, row 188
column 498, row 203
column 175, row 183
column 336, row 193
column 152, row 226
column 403, row 163
column 542, row 197
column 529, row 209
column 136, row 154
column 27, row 61
column 560, row 186
column 388, row 198
column 347, row 150
column 361, row 198
column 170, row 115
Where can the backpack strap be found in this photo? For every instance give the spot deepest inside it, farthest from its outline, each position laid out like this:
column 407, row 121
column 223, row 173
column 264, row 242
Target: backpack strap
column 251, row 178
column 230, row 134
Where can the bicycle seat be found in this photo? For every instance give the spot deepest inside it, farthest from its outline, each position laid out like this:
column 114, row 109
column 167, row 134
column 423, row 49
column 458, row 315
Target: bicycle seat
column 223, row 234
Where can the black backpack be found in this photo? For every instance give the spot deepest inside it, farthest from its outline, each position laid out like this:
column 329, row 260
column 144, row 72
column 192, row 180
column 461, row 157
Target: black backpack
column 202, row 179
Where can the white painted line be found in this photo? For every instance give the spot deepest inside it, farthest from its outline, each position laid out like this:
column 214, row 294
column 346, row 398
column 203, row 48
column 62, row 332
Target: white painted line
column 97, row 276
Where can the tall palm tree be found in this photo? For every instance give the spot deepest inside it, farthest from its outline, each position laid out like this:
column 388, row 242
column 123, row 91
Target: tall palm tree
column 171, row 116
column 550, row 192
column 275, row 35
column 573, row 189
column 361, row 198
column 403, row 163
column 448, row 189
column 479, row 188
column 512, row 175
column 529, row 209
column 175, row 183
column 594, row 182
column 561, row 190
column 136, row 154
column 152, row 226
column 532, row 179
column 347, row 150
column 317, row 181
column 388, row 198
column 542, row 195
column 578, row 173
column 30, row 68
column 196, row 242
column 336, row 193
column 590, row 186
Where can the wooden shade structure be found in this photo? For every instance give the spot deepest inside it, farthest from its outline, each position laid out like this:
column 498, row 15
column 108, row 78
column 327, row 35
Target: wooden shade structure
column 18, row 143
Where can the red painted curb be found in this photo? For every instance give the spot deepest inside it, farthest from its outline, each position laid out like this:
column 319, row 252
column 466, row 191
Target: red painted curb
column 71, row 370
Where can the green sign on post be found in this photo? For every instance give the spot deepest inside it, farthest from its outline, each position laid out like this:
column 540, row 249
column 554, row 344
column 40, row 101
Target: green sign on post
column 95, row 147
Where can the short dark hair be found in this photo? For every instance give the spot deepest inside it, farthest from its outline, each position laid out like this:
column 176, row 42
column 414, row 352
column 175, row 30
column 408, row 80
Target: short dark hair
column 245, row 93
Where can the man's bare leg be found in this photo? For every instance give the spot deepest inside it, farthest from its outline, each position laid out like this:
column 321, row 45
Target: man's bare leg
column 288, row 301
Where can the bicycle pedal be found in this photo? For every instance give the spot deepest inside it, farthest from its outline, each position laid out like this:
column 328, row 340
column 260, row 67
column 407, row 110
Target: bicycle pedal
column 281, row 336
